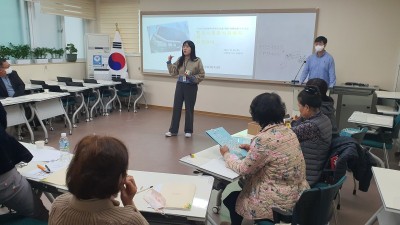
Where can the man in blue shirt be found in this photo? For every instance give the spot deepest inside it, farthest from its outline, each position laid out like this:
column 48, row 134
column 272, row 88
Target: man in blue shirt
column 11, row 84
column 320, row 65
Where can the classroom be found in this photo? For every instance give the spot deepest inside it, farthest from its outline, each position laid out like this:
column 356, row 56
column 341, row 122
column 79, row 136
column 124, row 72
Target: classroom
column 363, row 38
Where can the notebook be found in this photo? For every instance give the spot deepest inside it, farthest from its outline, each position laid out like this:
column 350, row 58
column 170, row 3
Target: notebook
column 178, row 195
column 222, row 137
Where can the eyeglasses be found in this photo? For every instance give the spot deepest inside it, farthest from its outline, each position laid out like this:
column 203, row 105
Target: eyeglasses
column 311, row 90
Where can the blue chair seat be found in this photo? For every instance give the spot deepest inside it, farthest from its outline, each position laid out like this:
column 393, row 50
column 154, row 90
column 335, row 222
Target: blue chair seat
column 265, row 223
column 376, row 142
column 14, row 219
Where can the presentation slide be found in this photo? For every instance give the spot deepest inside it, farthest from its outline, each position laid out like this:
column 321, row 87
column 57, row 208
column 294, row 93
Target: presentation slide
column 270, row 46
column 225, row 43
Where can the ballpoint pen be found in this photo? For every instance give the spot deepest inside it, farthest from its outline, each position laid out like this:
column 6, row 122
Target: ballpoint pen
column 141, row 189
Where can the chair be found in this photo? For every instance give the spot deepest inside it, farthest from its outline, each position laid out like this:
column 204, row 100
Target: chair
column 383, row 138
column 125, row 90
column 64, row 79
column 39, row 82
column 87, row 94
column 15, row 219
column 315, row 207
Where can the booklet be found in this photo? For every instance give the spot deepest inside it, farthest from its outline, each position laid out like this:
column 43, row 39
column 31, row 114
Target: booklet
column 222, row 137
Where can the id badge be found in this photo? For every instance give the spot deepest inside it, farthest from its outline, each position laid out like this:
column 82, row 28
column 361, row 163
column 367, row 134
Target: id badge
column 184, row 78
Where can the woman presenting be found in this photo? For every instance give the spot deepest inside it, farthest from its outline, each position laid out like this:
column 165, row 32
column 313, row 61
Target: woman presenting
column 190, row 72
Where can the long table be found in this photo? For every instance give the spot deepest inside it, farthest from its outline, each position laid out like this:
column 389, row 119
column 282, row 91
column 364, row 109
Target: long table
column 43, row 105
column 196, row 215
column 388, row 184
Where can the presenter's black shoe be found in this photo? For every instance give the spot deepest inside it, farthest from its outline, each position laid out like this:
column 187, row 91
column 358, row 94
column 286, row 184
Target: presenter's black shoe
column 169, row 134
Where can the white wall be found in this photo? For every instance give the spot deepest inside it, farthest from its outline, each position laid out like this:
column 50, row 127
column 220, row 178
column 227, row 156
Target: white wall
column 363, row 36
column 50, row 71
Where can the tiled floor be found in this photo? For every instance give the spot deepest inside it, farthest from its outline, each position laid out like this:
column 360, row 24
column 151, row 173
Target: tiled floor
column 150, row 150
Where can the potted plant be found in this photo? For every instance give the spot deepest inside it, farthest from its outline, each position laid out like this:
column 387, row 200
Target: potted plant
column 5, row 53
column 21, row 53
column 56, row 55
column 40, row 55
column 71, row 52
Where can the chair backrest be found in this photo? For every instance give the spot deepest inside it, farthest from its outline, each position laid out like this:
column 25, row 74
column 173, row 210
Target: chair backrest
column 64, row 79
column 396, row 127
column 122, row 80
column 52, row 88
column 91, row 81
column 315, row 205
column 39, row 82
column 76, row 84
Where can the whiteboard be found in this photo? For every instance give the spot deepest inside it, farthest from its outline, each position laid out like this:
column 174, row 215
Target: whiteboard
column 283, row 43
column 253, row 45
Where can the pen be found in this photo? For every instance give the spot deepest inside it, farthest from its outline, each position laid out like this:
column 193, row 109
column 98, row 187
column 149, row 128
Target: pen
column 141, row 190
column 43, row 168
column 48, row 169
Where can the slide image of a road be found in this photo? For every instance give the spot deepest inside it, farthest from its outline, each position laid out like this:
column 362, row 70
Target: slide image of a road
column 168, row 37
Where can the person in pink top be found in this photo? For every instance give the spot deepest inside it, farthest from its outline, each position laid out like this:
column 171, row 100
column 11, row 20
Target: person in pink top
column 274, row 168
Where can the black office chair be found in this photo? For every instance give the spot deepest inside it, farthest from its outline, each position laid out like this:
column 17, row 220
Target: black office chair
column 39, row 82
column 315, row 207
column 126, row 90
column 64, row 79
column 90, row 81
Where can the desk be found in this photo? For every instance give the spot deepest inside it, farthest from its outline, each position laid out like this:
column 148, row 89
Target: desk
column 140, row 84
column 388, row 95
column 16, row 113
column 370, row 119
column 198, row 212
column 210, row 162
column 388, row 184
column 111, row 87
column 48, row 105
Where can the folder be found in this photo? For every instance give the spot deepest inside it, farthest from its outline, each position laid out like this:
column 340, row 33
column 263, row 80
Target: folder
column 178, row 195
column 222, row 137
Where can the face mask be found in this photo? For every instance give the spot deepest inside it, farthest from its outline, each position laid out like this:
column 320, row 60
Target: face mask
column 319, row 48
column 155, row 200
column 9, row 70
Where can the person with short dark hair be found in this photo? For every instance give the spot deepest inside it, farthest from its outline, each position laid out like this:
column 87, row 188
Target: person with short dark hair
column 97, row 172
column 320, row 65
column 190, row 72
column 274, row 166
column 11, row 84
column 15, row 191
column 314, row 131
column 327, row 107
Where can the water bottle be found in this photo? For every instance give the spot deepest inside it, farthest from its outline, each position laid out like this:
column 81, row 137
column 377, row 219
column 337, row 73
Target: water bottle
column 64, row 147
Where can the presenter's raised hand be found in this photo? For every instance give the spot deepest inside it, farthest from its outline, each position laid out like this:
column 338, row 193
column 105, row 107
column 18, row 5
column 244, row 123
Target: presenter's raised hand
column 170, row 57
column 128, row 190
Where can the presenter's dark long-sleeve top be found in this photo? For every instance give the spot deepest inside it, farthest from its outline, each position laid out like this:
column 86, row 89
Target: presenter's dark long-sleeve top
column 11, row 151
column 320, row 67
column 17, row 84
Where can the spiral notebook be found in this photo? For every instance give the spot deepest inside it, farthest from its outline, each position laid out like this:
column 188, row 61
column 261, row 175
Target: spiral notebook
column 178, row 195
column 222, row 137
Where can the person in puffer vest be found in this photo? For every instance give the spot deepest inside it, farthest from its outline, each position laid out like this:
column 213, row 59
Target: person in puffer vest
column 314, row 131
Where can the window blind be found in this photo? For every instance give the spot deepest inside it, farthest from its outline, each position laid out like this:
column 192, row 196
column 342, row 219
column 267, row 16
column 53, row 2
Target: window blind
column 126, row 14
column 85, row 9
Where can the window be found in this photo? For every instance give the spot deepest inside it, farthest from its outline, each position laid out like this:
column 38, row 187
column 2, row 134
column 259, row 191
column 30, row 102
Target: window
column 26, row 24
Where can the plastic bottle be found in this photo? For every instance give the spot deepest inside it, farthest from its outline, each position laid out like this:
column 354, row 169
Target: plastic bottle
column 64, row 147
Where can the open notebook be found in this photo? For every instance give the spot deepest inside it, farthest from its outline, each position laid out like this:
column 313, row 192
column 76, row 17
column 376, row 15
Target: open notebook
column 178, row 195
column 222, row 137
